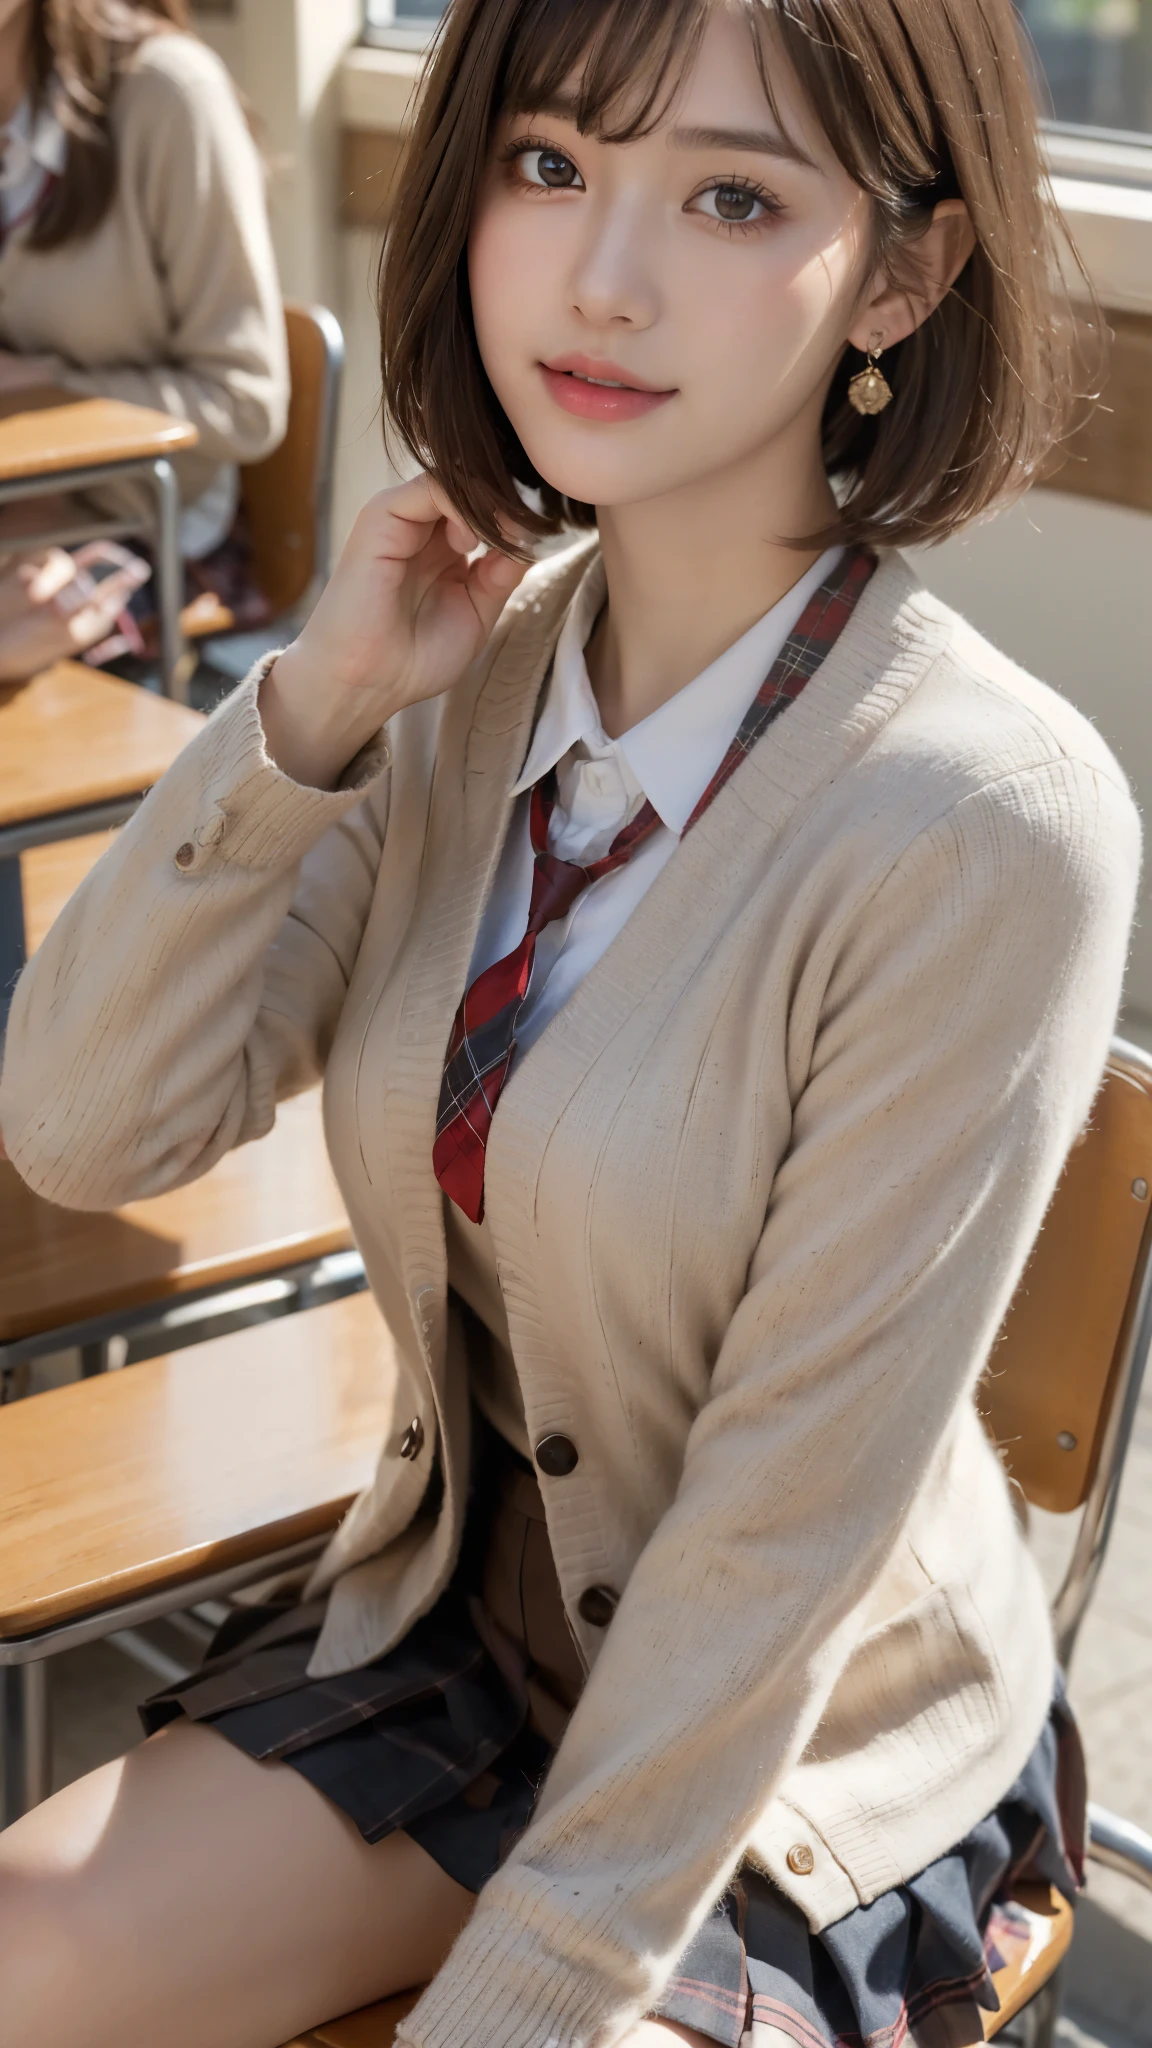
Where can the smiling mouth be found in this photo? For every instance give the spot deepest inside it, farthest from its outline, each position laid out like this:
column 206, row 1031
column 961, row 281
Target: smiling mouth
column 589, row 394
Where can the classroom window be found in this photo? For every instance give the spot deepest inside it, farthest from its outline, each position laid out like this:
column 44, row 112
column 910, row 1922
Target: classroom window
column 1096, row 57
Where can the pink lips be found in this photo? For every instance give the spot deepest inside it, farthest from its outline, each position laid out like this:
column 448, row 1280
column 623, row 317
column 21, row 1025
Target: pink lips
column 594, row 390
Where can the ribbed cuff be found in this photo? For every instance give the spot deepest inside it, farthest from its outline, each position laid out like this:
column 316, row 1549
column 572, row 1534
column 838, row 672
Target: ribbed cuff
column 226, row 801
column 507, row 1984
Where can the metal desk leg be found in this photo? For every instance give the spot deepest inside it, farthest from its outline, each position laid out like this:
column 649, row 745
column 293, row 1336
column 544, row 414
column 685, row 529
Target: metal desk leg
column 12, row 940
column 25, row 1744
column 169, row 573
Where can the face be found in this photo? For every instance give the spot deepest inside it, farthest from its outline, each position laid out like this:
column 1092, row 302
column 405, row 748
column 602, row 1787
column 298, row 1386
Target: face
column 656, row 312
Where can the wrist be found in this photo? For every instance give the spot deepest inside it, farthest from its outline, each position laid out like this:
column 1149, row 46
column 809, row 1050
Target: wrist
column 311, row 732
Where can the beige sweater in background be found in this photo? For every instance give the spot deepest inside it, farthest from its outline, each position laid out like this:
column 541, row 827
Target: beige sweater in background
column 173, row 301
column 759, row 1198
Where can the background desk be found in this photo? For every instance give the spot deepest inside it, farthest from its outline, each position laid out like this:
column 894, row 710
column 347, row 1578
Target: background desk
column 78, row 750
column 52, row 441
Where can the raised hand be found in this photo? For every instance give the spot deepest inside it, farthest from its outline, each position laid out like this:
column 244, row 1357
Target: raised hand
column 404, row 614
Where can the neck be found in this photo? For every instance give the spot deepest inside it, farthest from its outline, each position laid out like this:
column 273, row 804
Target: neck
column 689, row 573
column 15, row 69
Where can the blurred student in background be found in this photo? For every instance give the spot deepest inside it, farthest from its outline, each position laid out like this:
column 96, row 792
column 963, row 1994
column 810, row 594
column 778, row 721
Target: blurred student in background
column 135, row 257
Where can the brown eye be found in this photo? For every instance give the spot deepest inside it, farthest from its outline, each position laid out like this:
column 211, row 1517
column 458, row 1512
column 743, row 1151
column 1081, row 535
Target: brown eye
column 733, row 203
column 549, row 167
column 737, row 205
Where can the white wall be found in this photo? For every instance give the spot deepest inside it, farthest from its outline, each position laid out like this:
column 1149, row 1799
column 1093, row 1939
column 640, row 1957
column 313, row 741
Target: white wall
column 285, row 57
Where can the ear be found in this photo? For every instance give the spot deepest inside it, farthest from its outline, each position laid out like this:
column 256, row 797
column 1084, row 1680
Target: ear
column 935, row 261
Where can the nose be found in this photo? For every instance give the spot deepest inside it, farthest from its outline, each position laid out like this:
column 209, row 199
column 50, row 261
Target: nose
column 613, row 282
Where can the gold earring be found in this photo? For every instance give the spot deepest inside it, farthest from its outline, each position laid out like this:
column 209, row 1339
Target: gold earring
column 869, row 391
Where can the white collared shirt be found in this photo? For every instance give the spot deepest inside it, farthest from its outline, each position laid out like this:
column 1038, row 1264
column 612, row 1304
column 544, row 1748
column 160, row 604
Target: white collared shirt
column 669, row 758
column 33, row 148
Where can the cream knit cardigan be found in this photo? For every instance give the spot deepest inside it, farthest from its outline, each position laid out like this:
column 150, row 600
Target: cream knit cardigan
column 759, row 1196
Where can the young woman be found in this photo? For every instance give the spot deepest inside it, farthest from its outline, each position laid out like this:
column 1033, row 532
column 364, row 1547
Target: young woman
column 710, row 948
column 135, row 259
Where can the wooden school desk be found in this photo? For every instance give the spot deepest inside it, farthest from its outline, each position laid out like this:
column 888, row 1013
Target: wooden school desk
column 78, row 750
column 51, row 441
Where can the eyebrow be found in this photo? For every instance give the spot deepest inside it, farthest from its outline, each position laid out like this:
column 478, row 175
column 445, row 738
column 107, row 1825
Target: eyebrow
column 753, row 141
column 759, row 141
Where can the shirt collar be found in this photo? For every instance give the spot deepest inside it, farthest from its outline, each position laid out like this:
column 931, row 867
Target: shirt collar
column 674, row 752
column 32, row 141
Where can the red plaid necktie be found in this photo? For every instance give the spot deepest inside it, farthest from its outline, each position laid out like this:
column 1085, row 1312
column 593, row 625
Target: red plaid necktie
column 483, row 1037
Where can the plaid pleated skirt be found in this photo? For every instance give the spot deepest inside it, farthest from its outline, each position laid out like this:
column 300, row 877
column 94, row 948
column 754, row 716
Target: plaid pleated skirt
column 449, row 1735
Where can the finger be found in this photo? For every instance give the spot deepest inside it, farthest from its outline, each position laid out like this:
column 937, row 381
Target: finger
column 491, row 582
column 403, row 519
column 45, row 578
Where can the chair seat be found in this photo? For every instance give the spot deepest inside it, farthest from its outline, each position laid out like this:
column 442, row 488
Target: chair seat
column 1045, row 1932
column 141, row 1480
column 264, row 1207
column 1045, row 1921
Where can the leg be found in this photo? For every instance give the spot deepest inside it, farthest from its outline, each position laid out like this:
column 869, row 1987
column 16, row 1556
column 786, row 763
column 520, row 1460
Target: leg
column 12, row 943
column 24, row 1744
column 188, row 1895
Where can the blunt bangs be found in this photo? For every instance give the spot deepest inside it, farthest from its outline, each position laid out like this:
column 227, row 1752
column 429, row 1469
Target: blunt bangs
column 921, row 100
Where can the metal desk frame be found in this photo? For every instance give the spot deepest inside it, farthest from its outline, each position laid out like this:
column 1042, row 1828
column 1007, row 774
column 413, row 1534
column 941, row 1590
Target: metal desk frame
column 25, row 1745
column 158, row 471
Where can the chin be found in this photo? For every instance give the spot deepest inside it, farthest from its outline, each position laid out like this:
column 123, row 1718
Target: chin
column 595, row 482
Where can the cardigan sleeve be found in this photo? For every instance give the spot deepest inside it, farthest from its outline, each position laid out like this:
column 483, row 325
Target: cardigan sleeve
column 185, row 148
column 963, row 1028
column 198, row 973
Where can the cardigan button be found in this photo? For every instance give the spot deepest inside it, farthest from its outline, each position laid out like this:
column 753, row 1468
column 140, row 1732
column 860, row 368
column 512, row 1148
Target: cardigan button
column 557, row 1456
column 185, row 855
column 597, row 1605
column 800, row 1860
column 412, row 1441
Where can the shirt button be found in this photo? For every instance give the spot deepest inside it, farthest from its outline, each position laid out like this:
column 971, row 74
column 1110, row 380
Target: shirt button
column 557, row 1456
column 800, row 1859
column 185, row 855
column 412, row 1441
column 597, row 1605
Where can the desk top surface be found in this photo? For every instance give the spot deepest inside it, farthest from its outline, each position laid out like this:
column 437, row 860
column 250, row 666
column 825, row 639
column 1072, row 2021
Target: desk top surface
column 190, row 1464
column 266, row 1206
column 73, row 736
column 43, row 430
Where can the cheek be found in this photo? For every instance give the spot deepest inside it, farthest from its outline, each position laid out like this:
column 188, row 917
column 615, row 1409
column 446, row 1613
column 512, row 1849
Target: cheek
column 785, row 314
column 508, row 276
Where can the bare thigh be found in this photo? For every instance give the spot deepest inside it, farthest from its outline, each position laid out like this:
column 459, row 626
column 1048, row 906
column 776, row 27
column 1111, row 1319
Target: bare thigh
column 189, row 1896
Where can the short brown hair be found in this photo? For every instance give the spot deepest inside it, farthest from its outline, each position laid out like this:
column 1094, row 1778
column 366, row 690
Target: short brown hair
column 922, row 100
column 78, row 48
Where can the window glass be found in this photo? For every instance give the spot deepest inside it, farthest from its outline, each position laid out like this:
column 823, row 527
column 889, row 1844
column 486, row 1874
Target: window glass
column 1096, row 57
column 398, row 13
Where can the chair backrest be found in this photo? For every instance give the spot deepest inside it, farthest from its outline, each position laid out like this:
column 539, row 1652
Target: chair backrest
column 1055, row 1376
column 1060, row 1394
column 288, row 496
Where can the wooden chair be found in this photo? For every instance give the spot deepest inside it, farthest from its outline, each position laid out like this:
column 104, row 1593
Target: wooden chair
column 1060, row 1399
column 126, row 1497
column 287, row 498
